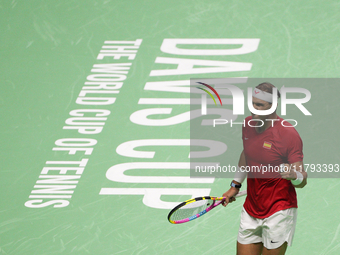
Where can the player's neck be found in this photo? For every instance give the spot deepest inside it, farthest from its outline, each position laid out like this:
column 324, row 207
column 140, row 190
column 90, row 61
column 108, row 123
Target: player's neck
column 267, row 124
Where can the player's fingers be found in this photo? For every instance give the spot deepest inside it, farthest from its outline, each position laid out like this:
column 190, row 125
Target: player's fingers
column 288, row 175
column 285, row 174
column 228, row 201
column 225, row 202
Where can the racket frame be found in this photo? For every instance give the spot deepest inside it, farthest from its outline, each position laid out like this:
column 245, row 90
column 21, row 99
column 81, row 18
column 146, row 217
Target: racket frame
column 216, row 202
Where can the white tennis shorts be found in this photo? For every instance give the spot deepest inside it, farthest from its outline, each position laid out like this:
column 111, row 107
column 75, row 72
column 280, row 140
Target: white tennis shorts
column 272, row 231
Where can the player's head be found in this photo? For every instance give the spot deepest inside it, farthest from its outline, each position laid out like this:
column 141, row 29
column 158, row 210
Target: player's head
column 262, row 101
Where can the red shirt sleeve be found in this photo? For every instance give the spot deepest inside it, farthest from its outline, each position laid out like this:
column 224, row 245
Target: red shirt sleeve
column 293, row 146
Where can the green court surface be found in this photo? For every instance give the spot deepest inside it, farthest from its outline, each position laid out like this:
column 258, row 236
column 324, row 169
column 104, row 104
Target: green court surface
column 116, row 198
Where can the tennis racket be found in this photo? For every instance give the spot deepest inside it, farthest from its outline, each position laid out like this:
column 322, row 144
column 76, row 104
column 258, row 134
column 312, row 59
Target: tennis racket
column 196, row 207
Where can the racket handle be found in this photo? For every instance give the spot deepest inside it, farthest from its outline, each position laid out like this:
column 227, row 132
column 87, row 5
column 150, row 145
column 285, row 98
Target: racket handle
column 241, row 193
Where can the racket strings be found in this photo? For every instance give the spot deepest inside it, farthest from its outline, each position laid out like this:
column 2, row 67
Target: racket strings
column 191, row 209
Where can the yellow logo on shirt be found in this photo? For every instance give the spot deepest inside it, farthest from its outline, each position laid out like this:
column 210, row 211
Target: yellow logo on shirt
column 267, row 145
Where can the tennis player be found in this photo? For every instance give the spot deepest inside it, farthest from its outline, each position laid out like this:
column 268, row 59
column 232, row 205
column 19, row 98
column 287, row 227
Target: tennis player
column 269, row 213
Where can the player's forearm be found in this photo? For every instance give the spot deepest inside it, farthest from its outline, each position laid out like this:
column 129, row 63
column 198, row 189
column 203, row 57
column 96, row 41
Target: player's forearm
column 242, row 161
column 241, row 175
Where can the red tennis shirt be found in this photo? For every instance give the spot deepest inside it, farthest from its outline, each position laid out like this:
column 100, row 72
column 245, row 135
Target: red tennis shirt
column 267, row 192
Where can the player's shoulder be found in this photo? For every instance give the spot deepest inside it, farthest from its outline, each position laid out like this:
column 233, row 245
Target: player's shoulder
column 286, row 129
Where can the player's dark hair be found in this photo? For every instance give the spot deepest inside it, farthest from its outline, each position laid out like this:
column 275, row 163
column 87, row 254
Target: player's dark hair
column 268, row 87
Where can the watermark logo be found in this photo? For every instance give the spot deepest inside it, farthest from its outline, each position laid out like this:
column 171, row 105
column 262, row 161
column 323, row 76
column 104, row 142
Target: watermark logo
column 204, row 97
column 238, row 100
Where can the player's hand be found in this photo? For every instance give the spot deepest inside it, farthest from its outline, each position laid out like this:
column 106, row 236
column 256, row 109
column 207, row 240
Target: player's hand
column 288, row 172
column 230, row 196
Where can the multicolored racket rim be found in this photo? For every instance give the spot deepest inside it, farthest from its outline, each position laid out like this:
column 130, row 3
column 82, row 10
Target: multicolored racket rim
column 216, row 201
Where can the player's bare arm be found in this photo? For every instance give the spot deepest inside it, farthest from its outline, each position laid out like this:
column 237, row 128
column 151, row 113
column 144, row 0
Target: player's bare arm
column 290, row 173
column 230, row 194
